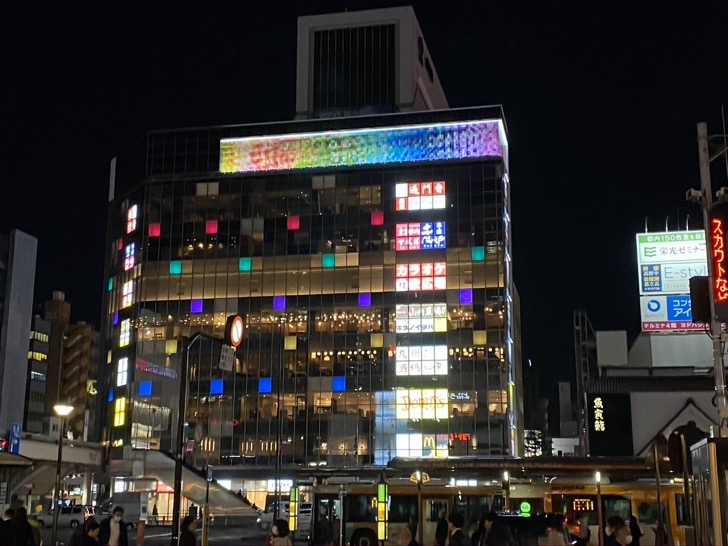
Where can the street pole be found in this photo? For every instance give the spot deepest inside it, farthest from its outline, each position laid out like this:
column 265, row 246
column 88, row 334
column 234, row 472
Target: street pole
column 600, row 513
column 57, row 490
column 715, row 324
column 179, row 455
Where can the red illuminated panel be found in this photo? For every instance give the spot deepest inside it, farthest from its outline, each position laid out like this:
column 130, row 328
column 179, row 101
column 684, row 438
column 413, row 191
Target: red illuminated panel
column 418, row 277
column 377, row 218
column 720, row 267
column 294, row 223
column 211, row 227
column 155, row 230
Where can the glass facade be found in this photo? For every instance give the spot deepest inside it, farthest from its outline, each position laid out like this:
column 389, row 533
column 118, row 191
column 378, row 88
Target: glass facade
column 377, row 300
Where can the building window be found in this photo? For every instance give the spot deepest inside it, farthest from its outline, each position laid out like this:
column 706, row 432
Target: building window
column 125, row 335
column 131, row 219
column 35, row 355
column 43, row 338
column 129, row 256
column 127, row 295
column 122, row 372
column 37, row 376
column 119, row 412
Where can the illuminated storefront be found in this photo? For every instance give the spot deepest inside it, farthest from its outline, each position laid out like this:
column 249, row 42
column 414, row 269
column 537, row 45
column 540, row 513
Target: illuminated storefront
column 371, row 267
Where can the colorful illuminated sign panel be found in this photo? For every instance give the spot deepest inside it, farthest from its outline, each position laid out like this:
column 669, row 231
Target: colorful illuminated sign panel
column 416, row 318
column 416, row 360
column 421, row 404
column 420, row 196
column 420, row 236
column 667, row 261
column 420, row 277
column 385, row 145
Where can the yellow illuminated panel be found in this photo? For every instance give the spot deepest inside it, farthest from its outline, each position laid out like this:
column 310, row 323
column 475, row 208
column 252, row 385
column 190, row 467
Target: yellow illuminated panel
column 119, row 412
column 421, row 404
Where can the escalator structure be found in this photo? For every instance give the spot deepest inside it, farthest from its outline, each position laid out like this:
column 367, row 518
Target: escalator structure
column 223, row 502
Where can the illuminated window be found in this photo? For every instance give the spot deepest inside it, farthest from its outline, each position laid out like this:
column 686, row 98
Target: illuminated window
column 119, row 412
column 211, row 227
column 328, row 260
column 122, row 372
column 155, row 229
column 127, row 295
column 175, row 267
column 377, row 218
column 420, row 196
column 422, row 404
column 125, row 335
column 39, row 357
column 294, row 222
column 419, row 318
column 245, row 264
column 129, row 256
column 420, row 236
column 131, row 219
column 416, row 277
column 421, row 360
column 111, row 284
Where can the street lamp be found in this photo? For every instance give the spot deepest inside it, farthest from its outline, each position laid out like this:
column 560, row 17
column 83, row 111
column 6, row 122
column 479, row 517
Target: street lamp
column 600, row 515
column 63, row 411
column 507, row 487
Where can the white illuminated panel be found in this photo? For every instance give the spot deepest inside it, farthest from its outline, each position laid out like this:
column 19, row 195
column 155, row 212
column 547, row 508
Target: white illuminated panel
column 416, row 318
column 421, row 360
column 420, row 277
column 127, row 294
column 420, row 196
column 421, row 404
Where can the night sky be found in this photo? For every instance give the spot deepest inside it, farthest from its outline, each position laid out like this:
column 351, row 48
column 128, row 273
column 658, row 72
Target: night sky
column 601, row 108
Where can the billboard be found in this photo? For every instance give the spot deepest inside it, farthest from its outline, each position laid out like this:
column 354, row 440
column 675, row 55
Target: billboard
column 421, row 404
column 420, row 196
column 421, row 360
column 420, row 276
column 609, row 427
column 666, row 261
column 668, row 314
column 418, row 318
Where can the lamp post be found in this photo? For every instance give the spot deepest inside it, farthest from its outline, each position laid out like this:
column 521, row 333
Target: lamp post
column 63, row 411
column 600, row 515
column 507, row 487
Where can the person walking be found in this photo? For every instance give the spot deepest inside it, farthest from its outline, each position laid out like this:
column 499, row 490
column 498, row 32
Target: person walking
column 7, row 528
column 456, row 522
column 112, row 531
column 80, row 532
column 441, row 530
column 188, row 537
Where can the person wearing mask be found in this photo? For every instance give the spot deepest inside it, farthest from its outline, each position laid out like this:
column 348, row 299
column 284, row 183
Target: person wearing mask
column 24, row 535
column 280, row 534
column 622, row 535
column 113, row 529
column 188, row 537
column 558, row 534
column 635, row 530
column 441, row 530
column 456, row 522
column 91, row 533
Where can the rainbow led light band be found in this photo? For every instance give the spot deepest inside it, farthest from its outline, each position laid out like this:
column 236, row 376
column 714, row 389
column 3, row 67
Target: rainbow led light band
column 403, row 144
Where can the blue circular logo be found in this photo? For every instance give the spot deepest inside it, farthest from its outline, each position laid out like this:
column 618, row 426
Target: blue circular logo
column 653, row 306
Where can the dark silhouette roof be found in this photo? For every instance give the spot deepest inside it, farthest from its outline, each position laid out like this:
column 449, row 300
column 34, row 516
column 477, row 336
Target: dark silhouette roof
column 626, row 384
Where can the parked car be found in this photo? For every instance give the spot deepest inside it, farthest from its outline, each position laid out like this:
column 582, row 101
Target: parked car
column 265, row 520
column 69, row 516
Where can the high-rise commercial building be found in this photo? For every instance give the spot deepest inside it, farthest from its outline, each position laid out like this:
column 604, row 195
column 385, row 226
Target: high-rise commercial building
column 363, row 62
column 17, row 279
column 36, row 392
column 74, row 352
column 369, row 256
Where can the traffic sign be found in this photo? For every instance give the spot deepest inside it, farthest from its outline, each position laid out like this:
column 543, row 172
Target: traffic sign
column 15, row 433
column 227, row 358
column 234, row 329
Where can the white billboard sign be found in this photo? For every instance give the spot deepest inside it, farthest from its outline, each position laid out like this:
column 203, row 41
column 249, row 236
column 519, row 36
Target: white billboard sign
column 667, row 261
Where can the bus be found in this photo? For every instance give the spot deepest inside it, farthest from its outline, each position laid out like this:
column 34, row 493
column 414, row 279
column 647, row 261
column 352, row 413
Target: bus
column 356, row 503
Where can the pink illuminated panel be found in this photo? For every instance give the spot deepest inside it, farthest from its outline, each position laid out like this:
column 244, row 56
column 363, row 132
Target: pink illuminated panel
column 211, row 227
column 420, row 277
column 155, row 229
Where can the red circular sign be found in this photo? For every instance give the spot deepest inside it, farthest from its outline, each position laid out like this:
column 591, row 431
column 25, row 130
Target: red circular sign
column 234, row 330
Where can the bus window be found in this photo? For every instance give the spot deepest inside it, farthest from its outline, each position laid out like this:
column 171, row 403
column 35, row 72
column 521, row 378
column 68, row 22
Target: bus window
column 434, row 507
column 617, row 506
column 681, row 509
column 402, row 508
column 359, row 508
column 648, row 513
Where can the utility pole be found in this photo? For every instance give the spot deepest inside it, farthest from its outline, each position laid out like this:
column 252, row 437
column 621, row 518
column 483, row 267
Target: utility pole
column 715, row 324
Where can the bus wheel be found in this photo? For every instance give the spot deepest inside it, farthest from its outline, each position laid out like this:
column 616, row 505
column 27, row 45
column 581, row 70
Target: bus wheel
column 363, row 538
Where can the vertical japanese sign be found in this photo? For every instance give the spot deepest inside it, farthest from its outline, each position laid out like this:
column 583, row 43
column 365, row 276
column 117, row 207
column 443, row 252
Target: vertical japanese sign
column 718, row 250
